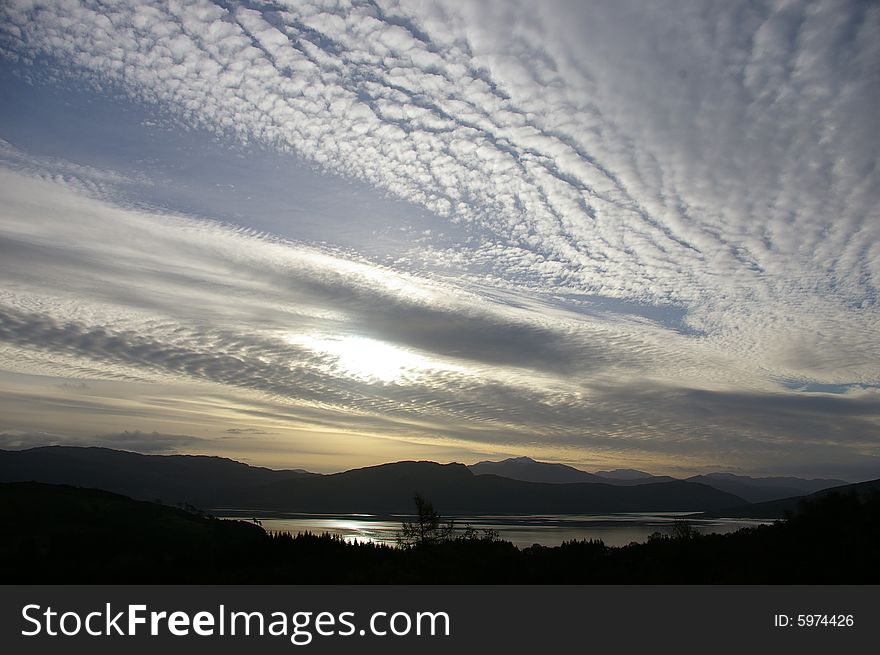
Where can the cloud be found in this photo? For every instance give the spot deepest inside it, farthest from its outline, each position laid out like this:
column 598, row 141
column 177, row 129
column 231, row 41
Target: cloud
column 244, row 431
column 658, row 154
column 669, row 217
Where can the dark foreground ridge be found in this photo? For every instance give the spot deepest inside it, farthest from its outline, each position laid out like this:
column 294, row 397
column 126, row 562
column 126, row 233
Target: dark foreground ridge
column 61, row 534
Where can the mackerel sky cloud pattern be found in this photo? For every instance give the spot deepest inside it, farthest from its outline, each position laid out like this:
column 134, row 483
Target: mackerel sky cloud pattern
column 628, row 232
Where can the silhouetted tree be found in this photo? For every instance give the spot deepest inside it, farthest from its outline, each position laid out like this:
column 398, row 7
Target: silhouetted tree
column 426, row 528
column 471, row 533
column 684, row 530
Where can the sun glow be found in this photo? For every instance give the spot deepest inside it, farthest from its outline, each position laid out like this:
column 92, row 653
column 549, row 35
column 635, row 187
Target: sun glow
column 367, row 359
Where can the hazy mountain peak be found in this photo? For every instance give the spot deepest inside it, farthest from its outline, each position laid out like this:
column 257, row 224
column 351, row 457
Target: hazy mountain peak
column 529, row 470
column 624, row 474
column 509, row 460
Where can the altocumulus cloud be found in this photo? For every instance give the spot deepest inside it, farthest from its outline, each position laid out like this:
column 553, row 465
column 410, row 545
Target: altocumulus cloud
column 717, row 166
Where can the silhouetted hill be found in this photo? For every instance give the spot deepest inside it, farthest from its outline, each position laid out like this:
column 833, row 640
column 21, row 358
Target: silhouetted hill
column 756, row 490
column 775, row 509
column 390, row 488
column 195, row 479
column 218, row 483
column 528, row 470
column 62, row 533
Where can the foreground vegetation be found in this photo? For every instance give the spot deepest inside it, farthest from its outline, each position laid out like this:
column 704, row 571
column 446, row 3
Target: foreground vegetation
column 58, row 534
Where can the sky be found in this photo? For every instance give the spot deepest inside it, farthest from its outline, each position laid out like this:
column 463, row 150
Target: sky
column 328, row 234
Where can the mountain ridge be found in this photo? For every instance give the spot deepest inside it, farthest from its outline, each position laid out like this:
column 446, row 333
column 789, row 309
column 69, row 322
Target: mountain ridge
column 213, row 482
column 752, row 489
column 758, row 490
column 778, row 508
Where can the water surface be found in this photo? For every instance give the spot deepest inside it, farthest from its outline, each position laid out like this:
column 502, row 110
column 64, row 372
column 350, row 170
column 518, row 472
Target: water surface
column 522, row 531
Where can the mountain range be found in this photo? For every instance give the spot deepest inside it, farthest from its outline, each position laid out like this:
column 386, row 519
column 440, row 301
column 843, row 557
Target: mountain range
column 753, row 490
column 758, row 490
column 217, row 483
column 514, row 486
column 529, row 470
column 772, row 509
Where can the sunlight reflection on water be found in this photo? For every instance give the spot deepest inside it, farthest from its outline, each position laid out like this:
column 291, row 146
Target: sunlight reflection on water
column 522, row 531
